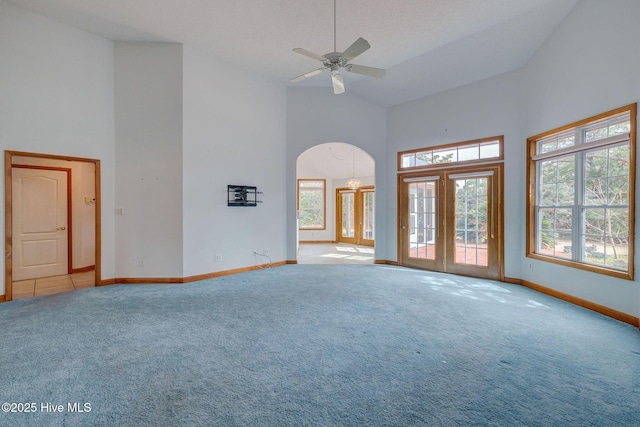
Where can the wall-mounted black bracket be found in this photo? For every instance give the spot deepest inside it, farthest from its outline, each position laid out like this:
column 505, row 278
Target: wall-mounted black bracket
column 242, row 195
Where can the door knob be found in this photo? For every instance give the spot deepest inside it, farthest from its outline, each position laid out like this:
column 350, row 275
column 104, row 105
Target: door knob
column 62, row 228
column 404, row 227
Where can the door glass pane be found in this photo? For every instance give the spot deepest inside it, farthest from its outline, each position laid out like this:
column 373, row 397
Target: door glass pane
column 368, row 215
column 348, row 215
column 422, row 220
column 470, row 152
column 472, row 201
column 490, row 149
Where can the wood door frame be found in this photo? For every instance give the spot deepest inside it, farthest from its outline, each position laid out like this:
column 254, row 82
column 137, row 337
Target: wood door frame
column 8, row 214
column 496, row 219
column 351, row 240
column 69, row 208
column 363, row 191
column 438, row 262
column 359, row 214
column 442, row 197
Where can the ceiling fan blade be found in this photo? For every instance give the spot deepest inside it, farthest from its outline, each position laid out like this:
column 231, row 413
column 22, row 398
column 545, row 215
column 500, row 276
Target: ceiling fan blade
column 358, row 47
column 311, row 55
column 338, row 83
column 307, row 75
column 367, row 71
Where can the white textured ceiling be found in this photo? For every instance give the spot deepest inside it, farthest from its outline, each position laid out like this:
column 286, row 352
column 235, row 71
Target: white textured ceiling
column 426, row 45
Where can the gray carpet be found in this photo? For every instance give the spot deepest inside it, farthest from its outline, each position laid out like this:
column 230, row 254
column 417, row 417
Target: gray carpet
column 318, row 345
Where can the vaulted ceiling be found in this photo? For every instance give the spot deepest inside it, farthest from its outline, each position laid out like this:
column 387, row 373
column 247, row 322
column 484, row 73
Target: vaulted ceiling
column 336, row 160
column 427, row 46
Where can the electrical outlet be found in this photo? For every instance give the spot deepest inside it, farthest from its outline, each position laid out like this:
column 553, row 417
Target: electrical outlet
column 530, row 266
column 142, row 263
column 217, row 257
column 265, row 251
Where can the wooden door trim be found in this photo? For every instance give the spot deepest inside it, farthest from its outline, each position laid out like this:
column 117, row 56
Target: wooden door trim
column 442, row 173
column 359, row 215
column 496, row 217
column 339, row 238
column 438, row 262
column 361, row 192
column 8, row 214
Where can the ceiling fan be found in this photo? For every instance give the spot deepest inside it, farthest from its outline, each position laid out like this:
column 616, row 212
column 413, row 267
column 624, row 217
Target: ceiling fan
column 338, row 61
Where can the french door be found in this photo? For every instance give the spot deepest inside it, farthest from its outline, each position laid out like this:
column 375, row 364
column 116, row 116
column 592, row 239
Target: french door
column 355, row 216
column 451, row 221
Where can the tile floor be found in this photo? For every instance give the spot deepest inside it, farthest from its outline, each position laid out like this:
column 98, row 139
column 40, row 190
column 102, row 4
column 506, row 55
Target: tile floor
column 52, row 285
column 334, row 253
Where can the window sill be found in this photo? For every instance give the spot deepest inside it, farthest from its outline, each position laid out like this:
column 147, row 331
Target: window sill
column 627, row 275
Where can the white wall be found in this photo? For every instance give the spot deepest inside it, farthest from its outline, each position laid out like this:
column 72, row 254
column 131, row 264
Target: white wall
column 484, row 109
column 234, row 133
column 316, row 116
column 148, row 129
column 590, row 65
column 64, row 91
column 56, row 97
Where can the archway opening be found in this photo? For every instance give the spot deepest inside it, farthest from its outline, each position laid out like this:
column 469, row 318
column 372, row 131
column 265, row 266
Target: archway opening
column 335, row 202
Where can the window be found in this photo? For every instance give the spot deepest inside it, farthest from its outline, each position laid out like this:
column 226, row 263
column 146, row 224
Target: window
column 581, row 194
column 311, row 204
column 466, row 152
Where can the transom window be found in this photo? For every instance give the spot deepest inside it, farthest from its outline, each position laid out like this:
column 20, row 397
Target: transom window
column 581, row 184
column 475, row 151
column 311, row 204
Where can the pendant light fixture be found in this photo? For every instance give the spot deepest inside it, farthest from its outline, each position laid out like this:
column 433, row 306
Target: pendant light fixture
column 353, row 183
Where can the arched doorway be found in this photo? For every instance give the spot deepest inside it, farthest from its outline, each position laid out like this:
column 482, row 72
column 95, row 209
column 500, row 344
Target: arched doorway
column 335, row 202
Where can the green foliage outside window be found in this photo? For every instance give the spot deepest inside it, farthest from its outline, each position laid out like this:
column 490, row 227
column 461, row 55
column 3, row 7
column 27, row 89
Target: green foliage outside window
column 582, row 194
column 471, row 210
column 311, row 204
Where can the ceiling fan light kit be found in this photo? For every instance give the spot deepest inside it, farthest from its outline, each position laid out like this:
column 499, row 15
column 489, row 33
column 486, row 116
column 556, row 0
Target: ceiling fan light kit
column 338, row 61
column 336, row 78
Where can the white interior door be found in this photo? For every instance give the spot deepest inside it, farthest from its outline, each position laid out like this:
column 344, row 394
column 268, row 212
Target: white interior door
column 40, row 223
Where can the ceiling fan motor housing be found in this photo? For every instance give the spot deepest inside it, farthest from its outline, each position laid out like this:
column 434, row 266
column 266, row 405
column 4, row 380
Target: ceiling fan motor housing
column 335, row 58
